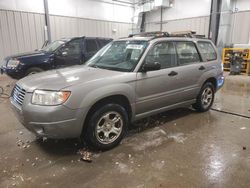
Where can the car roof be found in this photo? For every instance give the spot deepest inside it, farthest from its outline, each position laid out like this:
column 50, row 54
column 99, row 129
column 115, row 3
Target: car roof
column 135, row 38
column 152, row 39
column 71, row 38
column 159, row 36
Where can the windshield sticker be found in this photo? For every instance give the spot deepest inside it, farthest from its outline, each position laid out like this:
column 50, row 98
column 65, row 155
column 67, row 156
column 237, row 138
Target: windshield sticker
column 134, row 46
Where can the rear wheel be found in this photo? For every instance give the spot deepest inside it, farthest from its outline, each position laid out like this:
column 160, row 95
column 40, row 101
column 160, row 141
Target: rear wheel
column 33, row 70
column 205, row 98
column 106, row 127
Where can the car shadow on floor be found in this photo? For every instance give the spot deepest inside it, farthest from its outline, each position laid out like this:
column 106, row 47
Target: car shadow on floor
column 62, row 147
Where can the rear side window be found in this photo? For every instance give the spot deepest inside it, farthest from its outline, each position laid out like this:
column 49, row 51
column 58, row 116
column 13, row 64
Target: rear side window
column 187, row 53
column 164, row 53
column 91, row 45
column 207, row 51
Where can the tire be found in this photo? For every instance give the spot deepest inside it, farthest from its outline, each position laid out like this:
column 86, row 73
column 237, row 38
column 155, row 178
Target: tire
column 106, row 127
column 33, row 70
column 204, row 104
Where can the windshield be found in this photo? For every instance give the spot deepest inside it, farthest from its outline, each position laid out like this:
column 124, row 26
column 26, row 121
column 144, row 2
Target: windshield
column 53, row 46
column 119, row 55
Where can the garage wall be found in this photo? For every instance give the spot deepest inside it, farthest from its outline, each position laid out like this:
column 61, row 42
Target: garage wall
column 94, row 9
column 184, row 15
column 22, row 22
column 108, row 10
column 240, row 28
column 199, row 24
column 20, row 32
column 194, row 15
column 62, row 26
column 24, row 31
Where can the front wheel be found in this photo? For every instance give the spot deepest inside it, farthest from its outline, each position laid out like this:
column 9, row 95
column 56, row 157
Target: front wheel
column 106, row 127
column 33, row 70
column 205, row 98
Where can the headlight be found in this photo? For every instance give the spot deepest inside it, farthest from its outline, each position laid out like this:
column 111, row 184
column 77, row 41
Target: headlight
column 49, row 98
column 13, row 63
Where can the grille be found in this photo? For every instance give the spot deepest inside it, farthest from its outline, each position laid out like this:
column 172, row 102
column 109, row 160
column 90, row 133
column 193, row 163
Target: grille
column 18, row 94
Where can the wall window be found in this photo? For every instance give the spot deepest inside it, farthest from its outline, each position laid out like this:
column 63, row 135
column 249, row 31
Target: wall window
column 187, row 53
column 91, row 45
column 164, row 53
column 207, row 51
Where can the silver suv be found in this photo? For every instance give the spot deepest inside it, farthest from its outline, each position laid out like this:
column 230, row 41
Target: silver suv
column 128, row 79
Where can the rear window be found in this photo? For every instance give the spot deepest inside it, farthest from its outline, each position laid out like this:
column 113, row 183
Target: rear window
column 207, row 51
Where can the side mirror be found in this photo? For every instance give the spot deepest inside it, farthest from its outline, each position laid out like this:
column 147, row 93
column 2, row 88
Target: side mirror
column 151, row 66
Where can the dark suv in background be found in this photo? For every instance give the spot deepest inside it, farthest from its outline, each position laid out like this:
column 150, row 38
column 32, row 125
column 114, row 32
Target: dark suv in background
column 60, row 53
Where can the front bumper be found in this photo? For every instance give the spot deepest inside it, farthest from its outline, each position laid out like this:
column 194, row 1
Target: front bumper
column 49, row 121
column 12, row 72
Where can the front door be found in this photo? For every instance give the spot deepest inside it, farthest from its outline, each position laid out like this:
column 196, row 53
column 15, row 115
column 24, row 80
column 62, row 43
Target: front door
column 157, row 89
column 69, row 54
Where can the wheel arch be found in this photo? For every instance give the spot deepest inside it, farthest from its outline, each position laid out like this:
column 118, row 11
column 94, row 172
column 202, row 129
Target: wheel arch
column 213, row 81
column 115, row 98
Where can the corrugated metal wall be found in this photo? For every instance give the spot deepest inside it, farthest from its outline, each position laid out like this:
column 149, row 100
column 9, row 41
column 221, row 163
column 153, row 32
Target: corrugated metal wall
column 24, row 31
column 240, row 26
column 198, row 24
column 20, row 32
column 69, row 26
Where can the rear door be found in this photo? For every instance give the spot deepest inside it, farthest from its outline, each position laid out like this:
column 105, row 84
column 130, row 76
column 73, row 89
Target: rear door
column 91, row 47
column 190, row 70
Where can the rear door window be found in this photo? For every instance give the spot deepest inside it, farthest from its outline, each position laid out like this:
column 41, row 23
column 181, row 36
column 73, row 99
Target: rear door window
column 91, row 45
column 207, row 51
column 187, row 53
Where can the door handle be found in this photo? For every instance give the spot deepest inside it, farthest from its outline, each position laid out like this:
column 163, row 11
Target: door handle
column 172, row 73
column 202, row 67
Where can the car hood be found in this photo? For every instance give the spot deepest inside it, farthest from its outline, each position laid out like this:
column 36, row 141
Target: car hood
column 26, row 55
column 66, row 77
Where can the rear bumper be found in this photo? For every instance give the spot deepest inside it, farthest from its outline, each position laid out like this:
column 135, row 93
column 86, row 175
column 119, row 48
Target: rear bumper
column 50, row 121
column 220, row 82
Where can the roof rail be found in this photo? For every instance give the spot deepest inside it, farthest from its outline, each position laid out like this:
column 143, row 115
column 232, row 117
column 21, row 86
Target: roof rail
column 190, row 34
column 151, row 34
column 158, row 34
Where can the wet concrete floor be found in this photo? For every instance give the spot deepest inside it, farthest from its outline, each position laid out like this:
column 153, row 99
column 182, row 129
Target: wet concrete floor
column 179, row 148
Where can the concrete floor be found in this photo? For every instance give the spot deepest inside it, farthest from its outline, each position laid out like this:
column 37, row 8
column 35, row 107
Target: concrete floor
column 179, row 148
